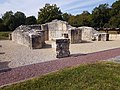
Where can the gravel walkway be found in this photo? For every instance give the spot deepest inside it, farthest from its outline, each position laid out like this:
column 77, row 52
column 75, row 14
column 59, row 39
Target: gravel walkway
column 34, row 70
column 14, row 55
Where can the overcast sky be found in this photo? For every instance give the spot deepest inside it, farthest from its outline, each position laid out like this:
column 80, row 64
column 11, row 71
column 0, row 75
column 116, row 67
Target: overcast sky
column 31, row 7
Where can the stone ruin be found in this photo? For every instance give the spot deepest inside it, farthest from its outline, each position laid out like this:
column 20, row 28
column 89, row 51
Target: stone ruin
column 90, row 34
column 57, row 31
column 34, row 36
column 30, row 36
column 61, row 29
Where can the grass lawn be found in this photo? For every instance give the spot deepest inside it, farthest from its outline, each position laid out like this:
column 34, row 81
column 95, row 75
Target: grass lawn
column 4, row 35
column 99, row 76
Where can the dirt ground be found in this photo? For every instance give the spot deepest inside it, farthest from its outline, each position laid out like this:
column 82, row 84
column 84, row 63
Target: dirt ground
column 14, row 55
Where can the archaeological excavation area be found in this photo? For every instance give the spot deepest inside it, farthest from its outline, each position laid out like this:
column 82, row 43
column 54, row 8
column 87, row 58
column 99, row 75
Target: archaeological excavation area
column 32, row 44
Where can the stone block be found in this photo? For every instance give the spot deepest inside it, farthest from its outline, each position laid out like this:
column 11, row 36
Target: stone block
column 36, row 42
column 10, row 36
column 62, row 48
column 103, row 37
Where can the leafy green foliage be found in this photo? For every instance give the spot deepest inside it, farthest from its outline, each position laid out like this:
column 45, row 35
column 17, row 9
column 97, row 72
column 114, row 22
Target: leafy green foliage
column 20, row 18
column 1, row 21
column 115, row 21
column 100, row 76
column 115, row 8
column 66, row 16
column 101, row 15
column 49, row 13
column 12, row 21
column 3, row 27
column 83, row 19
column 30, row 20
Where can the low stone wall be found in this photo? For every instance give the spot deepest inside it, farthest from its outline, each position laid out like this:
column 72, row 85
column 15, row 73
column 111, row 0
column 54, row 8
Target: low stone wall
column 21, row 38
column 114, row 36
column 26, row 36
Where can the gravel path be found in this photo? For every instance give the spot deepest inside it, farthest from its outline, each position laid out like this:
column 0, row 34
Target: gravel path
column 13, row 55
column 34, row 70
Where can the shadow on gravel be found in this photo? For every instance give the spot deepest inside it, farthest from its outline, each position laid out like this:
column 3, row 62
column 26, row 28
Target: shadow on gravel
column 83, row 42
column 2, row 52
column 47, row 46
column 76, row 55
column 4, row 66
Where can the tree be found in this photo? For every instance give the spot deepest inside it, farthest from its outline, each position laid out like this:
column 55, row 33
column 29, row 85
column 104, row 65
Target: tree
column 30, row 20
column 73, row 20
column 1, row 21
column 86, row 19
column 9, row 20
column 115, row 8
column 49, row 13
column 6, row 17
column 66, row 16
column 85, row 13
column 83, row 19
column 101, row 15
column 115, row 21
column 20, row 18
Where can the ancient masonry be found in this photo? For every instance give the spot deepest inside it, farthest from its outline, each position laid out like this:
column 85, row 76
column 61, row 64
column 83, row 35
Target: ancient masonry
column 62, row 48
column 30, row 36
column 57, row 31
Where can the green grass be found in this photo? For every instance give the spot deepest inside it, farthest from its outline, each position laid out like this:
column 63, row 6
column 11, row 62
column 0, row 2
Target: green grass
column 99, row 76
column 4, row 35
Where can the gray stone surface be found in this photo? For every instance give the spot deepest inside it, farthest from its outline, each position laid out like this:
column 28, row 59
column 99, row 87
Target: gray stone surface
column 61, row 29
column 62, row 48
column 30, row 36
column 90, row 34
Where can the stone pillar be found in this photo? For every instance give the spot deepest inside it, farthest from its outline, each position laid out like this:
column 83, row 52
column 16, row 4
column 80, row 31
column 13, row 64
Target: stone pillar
column 10, row 36
column 103, row 37
column 62, row 48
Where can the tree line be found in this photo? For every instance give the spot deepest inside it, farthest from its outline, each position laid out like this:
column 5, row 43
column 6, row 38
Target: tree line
column 103, row 16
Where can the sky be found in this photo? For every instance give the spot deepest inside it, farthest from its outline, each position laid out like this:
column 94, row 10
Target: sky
column 31, row 7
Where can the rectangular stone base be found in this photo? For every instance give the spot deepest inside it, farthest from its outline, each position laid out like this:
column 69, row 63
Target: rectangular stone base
column 61, row 47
